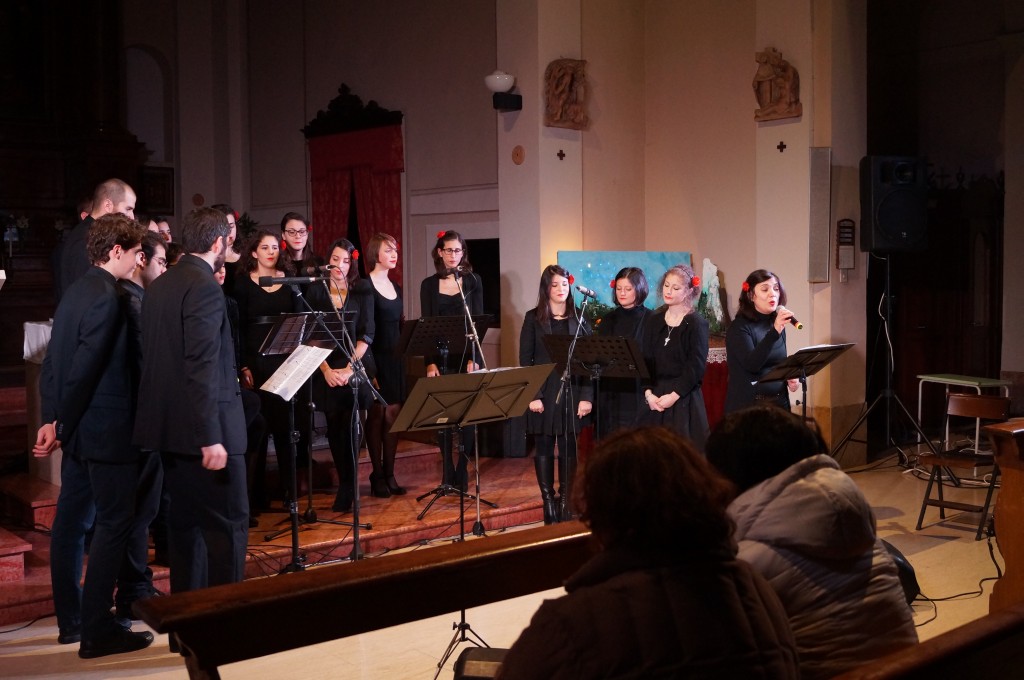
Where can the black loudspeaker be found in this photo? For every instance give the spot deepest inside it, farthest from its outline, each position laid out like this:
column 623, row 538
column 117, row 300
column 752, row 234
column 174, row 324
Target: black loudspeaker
column 893, row 204
column 908, row 577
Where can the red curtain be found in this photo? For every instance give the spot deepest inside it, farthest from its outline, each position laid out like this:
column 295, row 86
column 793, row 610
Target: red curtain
column 367, row 163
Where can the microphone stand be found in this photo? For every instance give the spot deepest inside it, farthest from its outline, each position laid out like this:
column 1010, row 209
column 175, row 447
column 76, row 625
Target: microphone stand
column 567, row 415
column 358, row 377
column 478, row 526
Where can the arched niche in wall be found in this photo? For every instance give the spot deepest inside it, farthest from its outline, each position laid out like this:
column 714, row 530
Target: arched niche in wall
column 148, row 102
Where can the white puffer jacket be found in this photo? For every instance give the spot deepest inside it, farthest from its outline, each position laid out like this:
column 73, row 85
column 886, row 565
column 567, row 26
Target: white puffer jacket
column 811, row 533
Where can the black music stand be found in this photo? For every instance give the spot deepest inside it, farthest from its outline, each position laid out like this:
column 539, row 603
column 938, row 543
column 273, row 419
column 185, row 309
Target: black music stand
column 596, row 357
column 287, row 334
column 469, row 399
column 442, row 334
column 284, row 337
column 805, row 362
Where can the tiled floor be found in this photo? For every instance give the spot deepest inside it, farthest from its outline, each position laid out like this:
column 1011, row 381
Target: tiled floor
column 948, row 561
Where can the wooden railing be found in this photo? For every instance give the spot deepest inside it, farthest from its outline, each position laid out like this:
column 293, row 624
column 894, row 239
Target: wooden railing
column 226, row 624
column 990, row 647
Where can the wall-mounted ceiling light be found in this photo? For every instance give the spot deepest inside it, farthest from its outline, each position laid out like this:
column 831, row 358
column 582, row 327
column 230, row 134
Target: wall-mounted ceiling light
column 500, row 83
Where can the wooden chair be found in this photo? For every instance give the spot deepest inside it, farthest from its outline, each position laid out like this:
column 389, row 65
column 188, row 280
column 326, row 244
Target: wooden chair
column 979, row 407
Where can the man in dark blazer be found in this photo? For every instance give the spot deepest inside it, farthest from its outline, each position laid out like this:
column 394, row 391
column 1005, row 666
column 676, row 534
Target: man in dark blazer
column 190, row 409
column 111, row 196
column 88, row 406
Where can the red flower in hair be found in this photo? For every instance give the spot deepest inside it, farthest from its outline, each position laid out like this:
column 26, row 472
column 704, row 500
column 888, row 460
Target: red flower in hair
column 355, row 254
column 572, row 279
column 235, row 213
column 309, row 227
column 441, row 233
column 695, row 281
column 612, row 284
column 284, row 244
column 746, row 287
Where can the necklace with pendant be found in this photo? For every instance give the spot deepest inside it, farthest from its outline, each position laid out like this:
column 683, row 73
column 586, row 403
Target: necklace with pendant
column 668, row 336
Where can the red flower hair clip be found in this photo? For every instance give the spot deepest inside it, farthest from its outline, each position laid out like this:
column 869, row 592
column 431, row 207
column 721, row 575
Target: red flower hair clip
column 236, row 215
column 441, row 233
column 746, row 287
column 695, row 281
column 572, row 279
column 284, row 244
column 355, row 254
column 612, row 284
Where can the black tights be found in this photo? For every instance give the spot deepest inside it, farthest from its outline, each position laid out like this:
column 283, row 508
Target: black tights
column 381, row 444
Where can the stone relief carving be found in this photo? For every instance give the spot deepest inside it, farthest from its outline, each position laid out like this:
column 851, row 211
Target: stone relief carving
column 565, row 102
column 776, row 87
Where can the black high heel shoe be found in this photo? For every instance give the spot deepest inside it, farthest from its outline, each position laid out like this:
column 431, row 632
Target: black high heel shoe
column 393, row 487
column 379, row 487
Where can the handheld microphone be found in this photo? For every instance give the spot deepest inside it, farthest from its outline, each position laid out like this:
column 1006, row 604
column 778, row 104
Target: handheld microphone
column 271, row 281
column 587, row 292
column 796, row 324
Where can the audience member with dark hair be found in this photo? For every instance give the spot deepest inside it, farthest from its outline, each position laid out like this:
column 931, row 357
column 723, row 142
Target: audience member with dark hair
column 803, row 524
column 665, row 597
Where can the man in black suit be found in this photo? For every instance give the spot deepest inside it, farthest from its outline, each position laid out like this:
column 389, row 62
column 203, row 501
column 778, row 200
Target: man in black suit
column 111, row 196
column 190, row 409
column 88, row 407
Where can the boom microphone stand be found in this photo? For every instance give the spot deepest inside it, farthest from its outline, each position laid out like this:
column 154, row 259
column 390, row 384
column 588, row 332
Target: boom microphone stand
column 359, row 379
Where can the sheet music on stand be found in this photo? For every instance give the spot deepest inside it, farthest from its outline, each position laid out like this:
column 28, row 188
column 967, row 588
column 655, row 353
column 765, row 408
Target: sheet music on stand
column 294, row 372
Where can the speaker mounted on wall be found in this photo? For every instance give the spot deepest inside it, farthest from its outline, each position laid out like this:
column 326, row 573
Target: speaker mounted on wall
column 893, row 204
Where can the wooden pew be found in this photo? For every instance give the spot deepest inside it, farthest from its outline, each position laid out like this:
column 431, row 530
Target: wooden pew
column 991, row 647
column 1008, row 447
column 225, row 624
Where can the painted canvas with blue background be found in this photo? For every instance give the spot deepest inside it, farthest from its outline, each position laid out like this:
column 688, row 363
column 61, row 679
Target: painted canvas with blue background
column 596, row 269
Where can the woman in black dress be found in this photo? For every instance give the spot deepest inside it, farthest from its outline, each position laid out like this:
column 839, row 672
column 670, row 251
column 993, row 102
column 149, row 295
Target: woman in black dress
column 344, row 293
column 756, row 342
column 439, row 296
column 621, row 398
column 296, row 250
column 550, row 423
column 381, row 444
column 676, row 350
column 258, row 310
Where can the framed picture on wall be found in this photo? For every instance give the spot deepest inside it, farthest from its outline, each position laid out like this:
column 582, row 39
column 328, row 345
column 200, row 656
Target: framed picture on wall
column 596, row 269
column 156, row 190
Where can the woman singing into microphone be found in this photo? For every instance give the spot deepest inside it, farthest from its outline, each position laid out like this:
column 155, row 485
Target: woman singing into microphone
column 439, row 296
column 756, row 342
